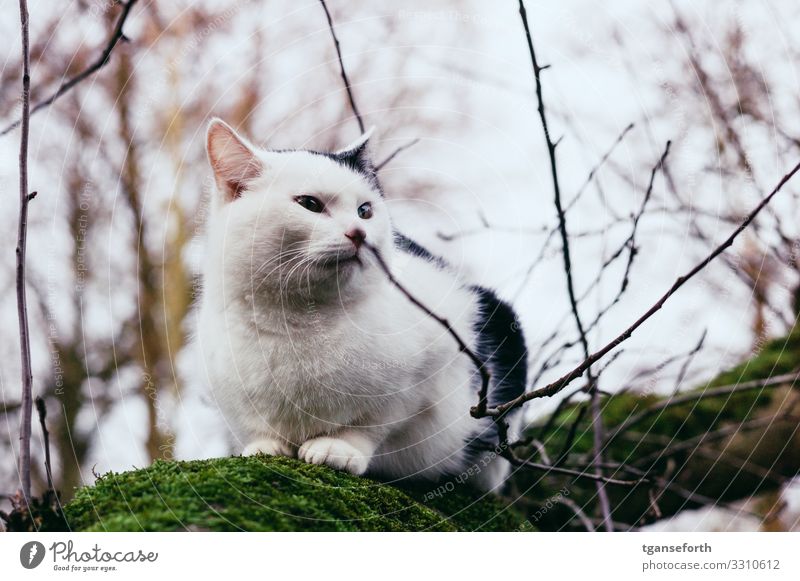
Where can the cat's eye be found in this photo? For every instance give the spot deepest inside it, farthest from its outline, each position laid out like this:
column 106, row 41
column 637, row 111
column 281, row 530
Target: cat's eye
column 365, row 211
column 310, row 203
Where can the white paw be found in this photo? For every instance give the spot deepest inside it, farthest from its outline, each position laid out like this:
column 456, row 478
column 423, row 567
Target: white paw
column 267, row 446
column 335, row 453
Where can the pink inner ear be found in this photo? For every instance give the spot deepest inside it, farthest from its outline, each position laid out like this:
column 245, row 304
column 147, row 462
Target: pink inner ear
column 234, row 163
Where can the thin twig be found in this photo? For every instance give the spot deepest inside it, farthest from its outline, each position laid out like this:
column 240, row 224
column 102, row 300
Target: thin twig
column 479, row 363
column 652, row 371
column 551, row 149
column 395, row 153
column 22, row 234
column 688, row 362
column 520, row 462
column 559, row 384
column 592, row 176
column 597, row 166
column 573, row 430
column 342, row 69
column 598, row 435
column 597, row 420
column 631, row 241
column 101, row 61
column 554, row 415
column 630, row 244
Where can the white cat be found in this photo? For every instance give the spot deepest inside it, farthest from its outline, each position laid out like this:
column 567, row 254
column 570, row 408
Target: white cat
column 310, row 351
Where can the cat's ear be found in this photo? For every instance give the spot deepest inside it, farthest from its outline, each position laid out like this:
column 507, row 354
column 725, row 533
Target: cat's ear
column 356, row 154
column 233, row 159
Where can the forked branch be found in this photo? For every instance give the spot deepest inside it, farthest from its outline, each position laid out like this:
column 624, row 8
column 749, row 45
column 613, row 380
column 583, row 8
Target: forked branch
column 116, row 36
column 562, row 382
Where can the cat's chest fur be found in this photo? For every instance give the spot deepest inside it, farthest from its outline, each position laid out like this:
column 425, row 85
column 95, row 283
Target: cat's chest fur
column 335, row 356
column 308, row 371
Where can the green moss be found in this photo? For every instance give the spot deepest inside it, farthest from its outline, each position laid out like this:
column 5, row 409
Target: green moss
column 281, row 494
column 717, row 474
column 270, row 494
column 690, row 419
column 469, row 509
column 776, row 357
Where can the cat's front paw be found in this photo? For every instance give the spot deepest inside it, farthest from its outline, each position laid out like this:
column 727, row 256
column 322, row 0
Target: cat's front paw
column 336, row 453
column 268, row 447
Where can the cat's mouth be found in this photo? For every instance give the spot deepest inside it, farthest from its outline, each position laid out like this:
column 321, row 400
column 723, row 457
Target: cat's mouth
column 342, row 260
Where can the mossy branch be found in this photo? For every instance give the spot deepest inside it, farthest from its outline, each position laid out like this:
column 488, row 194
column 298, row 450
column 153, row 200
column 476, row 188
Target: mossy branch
column 728, row 440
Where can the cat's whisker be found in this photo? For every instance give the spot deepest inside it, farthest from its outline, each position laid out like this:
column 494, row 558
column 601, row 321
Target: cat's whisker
column 281, row 265
column 280, row 256
column 287, row 278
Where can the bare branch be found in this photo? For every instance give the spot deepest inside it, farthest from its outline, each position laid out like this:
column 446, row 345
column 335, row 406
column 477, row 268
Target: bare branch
column 631, row 241
column 486, row 227
column 548, row 425
column 569, row 472
column 597, row 420
column 655, row 370
column 22, row 235
column 688, row 361
column 597, row 166
column 9, row 407
column 573, row 430
column 479, row 363
column 551, row 149
column 630, row 244
column 559, row 384
column 592, row 176
column 379, row 166
column 70, row 83
column 342, row 69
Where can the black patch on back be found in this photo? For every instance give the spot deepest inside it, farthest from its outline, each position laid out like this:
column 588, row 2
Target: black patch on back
column 501, row 344
column 500, row 341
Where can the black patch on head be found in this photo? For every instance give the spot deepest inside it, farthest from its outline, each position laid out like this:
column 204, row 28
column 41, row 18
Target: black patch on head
column 357, row 160
column 501, row 344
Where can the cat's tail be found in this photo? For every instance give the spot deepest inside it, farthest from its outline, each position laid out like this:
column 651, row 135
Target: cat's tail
column 501, row 344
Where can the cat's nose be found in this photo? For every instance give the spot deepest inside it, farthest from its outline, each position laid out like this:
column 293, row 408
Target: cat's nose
column 356, row 236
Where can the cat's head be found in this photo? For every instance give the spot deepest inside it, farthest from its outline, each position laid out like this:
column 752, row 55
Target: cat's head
column 295, row 224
